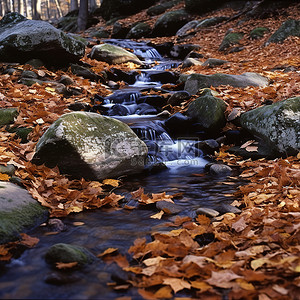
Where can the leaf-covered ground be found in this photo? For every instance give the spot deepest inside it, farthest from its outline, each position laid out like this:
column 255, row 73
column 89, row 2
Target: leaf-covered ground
column 253, row 255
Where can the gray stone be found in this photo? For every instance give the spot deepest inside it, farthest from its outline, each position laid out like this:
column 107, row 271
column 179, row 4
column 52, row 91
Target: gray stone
column 19, row 212
column 161, row 8
column 208, row 111
column 29, row 74
column 278, row 125
column 288, row 28
column 213, row 62
column 203, row 6
column 230, row 39
column 66, row 253
column 113, row 54
column 227, row 208
column 189, row 62
column 8, row 169
column 219, row 170
column 178, row 97
column 66, row 80
column 140, row 30
column 168, row 208
column 8, row 115
column 92, row 146
column 59, row 87
column 210, row 22
column 195, row 82
column 186, row 28
column 25, row 39
column 209, row 212
column 169, row 23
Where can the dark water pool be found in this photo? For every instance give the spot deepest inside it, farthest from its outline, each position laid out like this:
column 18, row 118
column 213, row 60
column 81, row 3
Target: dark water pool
column 27, row 276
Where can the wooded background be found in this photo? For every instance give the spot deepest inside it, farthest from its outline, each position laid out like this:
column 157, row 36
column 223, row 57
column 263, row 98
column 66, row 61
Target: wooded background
column 44, row 9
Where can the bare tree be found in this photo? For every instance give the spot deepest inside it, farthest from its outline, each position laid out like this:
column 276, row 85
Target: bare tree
column 58, row 8
column 93, row 4
column 82, row 15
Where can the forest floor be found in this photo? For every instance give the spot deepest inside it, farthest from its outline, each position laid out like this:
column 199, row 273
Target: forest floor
column 255, row 254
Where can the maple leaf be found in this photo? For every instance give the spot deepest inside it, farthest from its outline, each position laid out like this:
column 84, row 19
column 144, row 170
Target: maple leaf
column 177, row 284
column 222, row 279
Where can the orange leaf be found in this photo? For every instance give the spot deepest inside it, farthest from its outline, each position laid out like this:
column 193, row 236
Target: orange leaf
column 60, row 265
column 4, row 177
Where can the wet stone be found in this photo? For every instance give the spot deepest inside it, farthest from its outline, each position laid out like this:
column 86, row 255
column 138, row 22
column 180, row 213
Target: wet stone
column 227, row 208
column 168, row 207
column 219, row 170
column 209, row 212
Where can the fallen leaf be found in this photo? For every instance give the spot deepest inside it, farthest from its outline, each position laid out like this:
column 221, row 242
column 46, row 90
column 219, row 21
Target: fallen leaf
column 112, row 182
column 239, row 225
column 4, row 177
column 176, row 284
column 222, row 279
column 158, row 215
column 108, row 251
column 164, row 293
column 60, row 265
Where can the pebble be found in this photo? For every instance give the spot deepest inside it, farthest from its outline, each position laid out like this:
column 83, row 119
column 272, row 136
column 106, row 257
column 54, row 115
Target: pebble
column 209, row 212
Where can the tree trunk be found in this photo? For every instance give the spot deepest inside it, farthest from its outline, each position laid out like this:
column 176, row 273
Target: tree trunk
column 74, row 5
column 35, row 12
column 5, row 7
column 93, row 4
column 82, row 15
column 58, row 8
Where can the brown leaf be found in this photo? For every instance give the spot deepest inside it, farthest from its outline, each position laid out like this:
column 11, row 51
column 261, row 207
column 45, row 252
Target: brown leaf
column 222, row 279
column 60, row 265
column 108, row 251
column 177, row 284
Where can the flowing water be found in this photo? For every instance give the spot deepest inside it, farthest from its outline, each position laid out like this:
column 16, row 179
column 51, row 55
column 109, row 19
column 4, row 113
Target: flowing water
column 30, row 277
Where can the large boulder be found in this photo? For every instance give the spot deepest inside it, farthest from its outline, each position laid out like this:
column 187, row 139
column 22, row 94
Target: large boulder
column 169, row 23
column 231, row 39
column 114, row 8
column 140, row 30
column 92, row 146
column 8, row 115
column 208, row 111
column 22, row 39
column 113, row 54
column 19, row 212
column 288, row 28
column 278, row 125
column 195, row 82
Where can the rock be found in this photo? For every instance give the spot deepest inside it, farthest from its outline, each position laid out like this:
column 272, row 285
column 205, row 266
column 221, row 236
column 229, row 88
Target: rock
column 120, row 75
column 8, row 169
column 120, row 30
column 84, row 72
column 178, row 97
column 113, row 8
column 169, row 23
column 208, row 111
column 153, row 100
column 21, row 132
column 213, row 62
column 140, row 30
column 66, row 80
column 22, row 39
column 162, row 76
column 168, row 208
column 59, row 87
column 58, row 278
column 189, row 62
column 258, row 33
column 181, row 51
column 187, row 27
column 19, row 212
column 208, row 146
column 177, row 124
column 195, row 82
column 36, row 63
column 219, row 170
column 92, row 146
column 67, row 253
column 145, row 109
column 209, row 212
column 8, row 115
column 118, row 110
column 161, row 8
column 113, row 54
column 210, row 22
column 123, row 96
column 288, row 28
column 227, row 208
column 278, row 125
column 230, row 39
column 56, row 225
column 101, row 33
column 29, row 74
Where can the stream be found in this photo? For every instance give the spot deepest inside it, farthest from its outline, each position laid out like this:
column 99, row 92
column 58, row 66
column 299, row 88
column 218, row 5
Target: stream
column 30, row 277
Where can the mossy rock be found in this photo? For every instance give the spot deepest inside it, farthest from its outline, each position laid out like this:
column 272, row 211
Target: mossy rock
column 231, row 39
column 288, row 28
column 113, row 54
column 208, row 111
column 139, row 30
column 278, row 125
column 8, row 115
column 210, row 22
column 101, row 34
column 21, row 132
column 161, row 8
column 92, row 146
column 169, row 23
column 19, row 212
column 67, row 253
column 258, row 33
